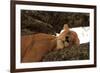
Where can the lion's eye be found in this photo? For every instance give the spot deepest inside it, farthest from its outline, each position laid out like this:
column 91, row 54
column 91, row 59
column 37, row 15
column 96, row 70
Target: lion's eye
column 67, row 38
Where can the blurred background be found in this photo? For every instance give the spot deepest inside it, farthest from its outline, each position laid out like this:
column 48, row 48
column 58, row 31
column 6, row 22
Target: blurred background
column 51, row 22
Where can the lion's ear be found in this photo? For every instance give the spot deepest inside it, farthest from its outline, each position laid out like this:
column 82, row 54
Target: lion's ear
column 66, row 27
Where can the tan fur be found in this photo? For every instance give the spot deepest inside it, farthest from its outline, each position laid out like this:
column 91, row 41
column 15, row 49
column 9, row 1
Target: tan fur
column 74, row 38
column 61, row 39
column 34, row 47
column 64, row 32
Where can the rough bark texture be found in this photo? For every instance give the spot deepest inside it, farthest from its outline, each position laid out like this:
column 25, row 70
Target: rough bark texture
column 51, row 22
column 72, row 53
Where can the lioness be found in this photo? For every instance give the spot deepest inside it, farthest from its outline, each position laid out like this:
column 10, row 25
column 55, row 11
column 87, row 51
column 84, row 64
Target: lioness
column 34, row 47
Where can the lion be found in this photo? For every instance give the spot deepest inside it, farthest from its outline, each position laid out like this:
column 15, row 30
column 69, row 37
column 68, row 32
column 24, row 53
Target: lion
column 67, row 38
column 35, row 46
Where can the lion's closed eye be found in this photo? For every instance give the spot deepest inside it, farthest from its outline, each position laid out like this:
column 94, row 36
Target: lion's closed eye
column 67, row 39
